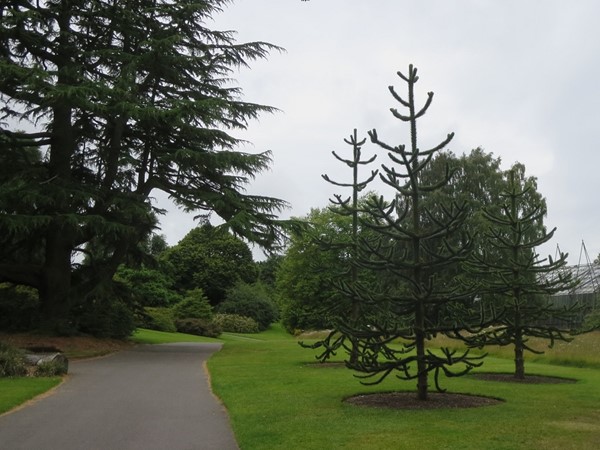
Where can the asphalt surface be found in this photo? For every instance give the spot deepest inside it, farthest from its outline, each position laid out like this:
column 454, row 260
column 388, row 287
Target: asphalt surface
column 148, row 397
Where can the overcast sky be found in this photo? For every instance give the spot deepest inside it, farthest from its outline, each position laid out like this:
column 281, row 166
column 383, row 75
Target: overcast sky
column 516, row 77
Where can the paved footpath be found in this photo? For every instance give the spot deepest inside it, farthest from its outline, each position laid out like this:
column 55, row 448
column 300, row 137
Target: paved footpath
column 147, row 397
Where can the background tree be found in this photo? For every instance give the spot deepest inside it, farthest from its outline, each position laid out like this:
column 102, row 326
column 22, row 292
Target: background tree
column 209, row 258
column 307, row 272
column 413, row 243
column 148, row 286
column 478, row 182
column 267, row 270
column 125, row 97
column 520, row 281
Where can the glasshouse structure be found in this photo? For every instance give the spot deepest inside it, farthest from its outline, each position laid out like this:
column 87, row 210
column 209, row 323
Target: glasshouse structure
column 586, row 293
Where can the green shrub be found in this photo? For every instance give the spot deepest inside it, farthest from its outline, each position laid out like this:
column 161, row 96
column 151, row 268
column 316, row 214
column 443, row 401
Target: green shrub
column 251, row 300
column 198, row 327
column 12, row 361
column 591, row 321
column 234, row 323
column 50, row 369
column 19, row 308
column 149, row 287
column 296, row 317
column 195, row 305
column 157, row 318
column 105, row 317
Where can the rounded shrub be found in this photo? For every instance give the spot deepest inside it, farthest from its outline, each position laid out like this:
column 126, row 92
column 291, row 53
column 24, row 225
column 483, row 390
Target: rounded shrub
column 198, row 327
column 106, row 317
column 250, row 301
column 157, row 318
column 195, row 305
column 234, row 323
column 50, row 369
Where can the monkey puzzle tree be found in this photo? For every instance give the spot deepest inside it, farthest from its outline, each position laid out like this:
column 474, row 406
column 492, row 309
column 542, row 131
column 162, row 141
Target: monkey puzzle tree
column 347, row 281
column 413, row 243
column 122, row 98
column 510, row 270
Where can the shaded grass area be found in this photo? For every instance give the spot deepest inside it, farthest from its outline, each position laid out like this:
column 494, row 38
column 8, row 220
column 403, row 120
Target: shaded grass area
column 15, row 391
column 277, row 399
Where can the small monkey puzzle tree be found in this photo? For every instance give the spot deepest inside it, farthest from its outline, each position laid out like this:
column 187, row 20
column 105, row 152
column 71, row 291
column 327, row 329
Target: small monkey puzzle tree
column 347, row 304
column 516, row 280
column 410, row 243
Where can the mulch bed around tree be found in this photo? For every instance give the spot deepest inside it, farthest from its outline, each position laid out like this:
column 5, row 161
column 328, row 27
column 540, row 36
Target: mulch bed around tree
column 409, row 400
column 529, row 379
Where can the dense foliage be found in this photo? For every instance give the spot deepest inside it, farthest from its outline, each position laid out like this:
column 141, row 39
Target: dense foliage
column 19, row 307
column 209, row 258
column 148, row 286
column 251, row 301
column 195, row 305
column 306, row 275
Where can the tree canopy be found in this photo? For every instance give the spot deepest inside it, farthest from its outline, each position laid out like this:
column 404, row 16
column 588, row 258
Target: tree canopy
column 306, row 274
column 212, row 259
column 120, row 98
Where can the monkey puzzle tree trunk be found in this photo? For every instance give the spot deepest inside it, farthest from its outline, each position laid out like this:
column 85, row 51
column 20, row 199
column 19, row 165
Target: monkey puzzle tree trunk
column 422, row 372
column 519, row 357
column 420, row 336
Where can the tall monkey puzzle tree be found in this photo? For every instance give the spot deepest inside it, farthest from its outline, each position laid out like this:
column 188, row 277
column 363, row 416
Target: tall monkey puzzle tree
column 347, row 305
column 520, row 282
column 412, row 244
column 123, row 98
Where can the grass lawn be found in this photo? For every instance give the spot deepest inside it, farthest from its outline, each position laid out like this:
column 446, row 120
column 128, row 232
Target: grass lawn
column 278, row 400
column 14, row 391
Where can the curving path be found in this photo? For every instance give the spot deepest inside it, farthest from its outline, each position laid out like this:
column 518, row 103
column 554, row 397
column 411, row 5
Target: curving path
column 147, row 397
